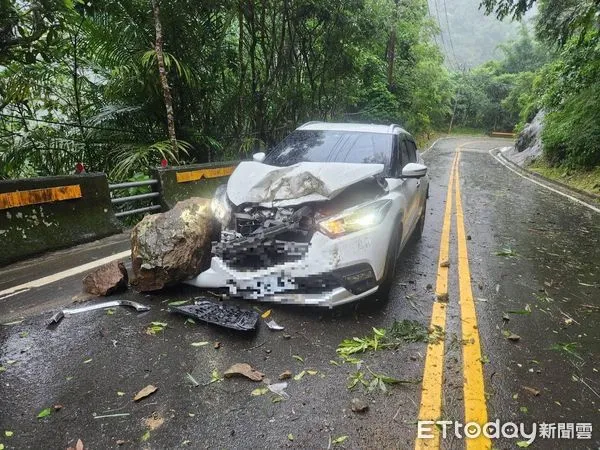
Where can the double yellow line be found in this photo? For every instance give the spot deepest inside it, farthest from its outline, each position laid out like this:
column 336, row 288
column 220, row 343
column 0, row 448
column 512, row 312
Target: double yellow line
column 433, row 375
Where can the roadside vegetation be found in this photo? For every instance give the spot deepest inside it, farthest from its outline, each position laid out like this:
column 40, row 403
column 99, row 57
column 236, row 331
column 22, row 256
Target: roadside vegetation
column 121, row 86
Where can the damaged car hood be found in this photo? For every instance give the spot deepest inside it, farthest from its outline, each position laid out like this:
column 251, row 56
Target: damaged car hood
column 254, row 182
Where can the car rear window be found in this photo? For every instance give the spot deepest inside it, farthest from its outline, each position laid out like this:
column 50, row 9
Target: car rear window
column 332, row 146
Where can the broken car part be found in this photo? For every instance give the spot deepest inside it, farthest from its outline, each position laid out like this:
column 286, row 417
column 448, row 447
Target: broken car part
column 56, row 318
column 223, row 315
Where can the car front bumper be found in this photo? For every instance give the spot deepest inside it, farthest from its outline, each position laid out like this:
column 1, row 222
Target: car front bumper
column 333, row 272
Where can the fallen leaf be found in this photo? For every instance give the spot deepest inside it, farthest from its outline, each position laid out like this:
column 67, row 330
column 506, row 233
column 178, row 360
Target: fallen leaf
column 245, row 370
column 290, row 437
column 150, row 389
column 339, row 440
column 8, row 433
column 531, row 390
column 285, row 375
column 266, row 314
column 312, row 372
column 298, row 358
column 523, row 444
column 199, row 344
column 259, row 391
column 88, row 361
column 120, row 394
column 154, row 421
column 145, row 436
column 299, row 376
column 178, row 303
column 110, row 311
column 44, row 413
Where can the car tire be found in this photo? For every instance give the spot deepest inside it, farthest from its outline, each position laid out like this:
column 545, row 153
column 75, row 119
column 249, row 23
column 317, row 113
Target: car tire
column 390, row 266
column 421, row 223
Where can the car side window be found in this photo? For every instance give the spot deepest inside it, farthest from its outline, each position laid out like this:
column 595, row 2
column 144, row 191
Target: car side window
column 404, row 154
column 412, row 151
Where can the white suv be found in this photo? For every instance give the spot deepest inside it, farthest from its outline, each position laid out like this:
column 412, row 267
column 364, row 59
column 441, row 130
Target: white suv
column 322, row 218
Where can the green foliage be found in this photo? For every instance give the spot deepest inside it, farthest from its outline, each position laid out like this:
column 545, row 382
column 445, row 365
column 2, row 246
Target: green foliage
column 571, row 133
column 241, row 77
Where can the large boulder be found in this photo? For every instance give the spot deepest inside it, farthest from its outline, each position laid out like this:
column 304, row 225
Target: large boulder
column 107, row 279
column 170, row 247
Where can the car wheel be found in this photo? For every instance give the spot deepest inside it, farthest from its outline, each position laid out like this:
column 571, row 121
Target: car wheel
column 421, row 223
column 390, row 266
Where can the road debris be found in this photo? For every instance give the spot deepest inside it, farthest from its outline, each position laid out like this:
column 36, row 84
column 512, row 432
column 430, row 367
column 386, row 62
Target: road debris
column 217, row 345
column 192, row 380
column 78, row 445
column 442, row 297
column 107, row 279
column 245, row 370
column 339, row 440
column 273, row 325
column 400, row 332
column 154, row 421
column 359, row 405
column 219, row 314
column 156, row 327
column 106, row 416
column 56, row 318
column 44, row 413
column 287, row 374
column 279, row 389
column 445, row 263
column 531, row 390
column 148, row 390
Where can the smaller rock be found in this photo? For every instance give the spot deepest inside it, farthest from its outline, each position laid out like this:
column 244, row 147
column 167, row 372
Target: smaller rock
column 445, row 263
column 429, row 286
column 359, row 405
column 468, row 237
column 107, row 279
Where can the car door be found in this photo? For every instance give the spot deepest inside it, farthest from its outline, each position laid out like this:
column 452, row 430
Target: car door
column 421, row 188
column 408, row 187
column 411, row 185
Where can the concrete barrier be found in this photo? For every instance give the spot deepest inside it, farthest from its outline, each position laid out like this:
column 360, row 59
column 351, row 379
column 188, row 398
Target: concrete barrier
column 41, row 214
column 196, row 180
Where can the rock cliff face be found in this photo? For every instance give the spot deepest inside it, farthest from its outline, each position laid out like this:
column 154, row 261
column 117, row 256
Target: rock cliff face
column 529, row 143
column 170, row 247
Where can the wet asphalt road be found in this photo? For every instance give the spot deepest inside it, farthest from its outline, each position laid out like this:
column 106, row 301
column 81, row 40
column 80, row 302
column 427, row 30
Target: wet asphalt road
column 93, row 364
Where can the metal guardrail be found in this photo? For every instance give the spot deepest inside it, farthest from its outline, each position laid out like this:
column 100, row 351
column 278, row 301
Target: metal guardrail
column 134, row 198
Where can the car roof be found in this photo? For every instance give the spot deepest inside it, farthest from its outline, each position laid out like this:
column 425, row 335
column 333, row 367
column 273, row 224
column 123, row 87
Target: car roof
column 358, row 127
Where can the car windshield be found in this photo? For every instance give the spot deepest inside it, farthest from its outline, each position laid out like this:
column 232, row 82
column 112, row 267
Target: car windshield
column 332, row 146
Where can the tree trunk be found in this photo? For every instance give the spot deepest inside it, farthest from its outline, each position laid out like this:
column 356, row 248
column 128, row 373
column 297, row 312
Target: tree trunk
column 162, row 73
column 391, row 57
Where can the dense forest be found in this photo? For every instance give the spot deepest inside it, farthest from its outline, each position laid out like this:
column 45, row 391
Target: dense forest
column 121, row 85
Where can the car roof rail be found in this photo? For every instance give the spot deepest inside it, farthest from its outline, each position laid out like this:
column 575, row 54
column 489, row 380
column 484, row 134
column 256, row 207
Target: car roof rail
column 312, row 122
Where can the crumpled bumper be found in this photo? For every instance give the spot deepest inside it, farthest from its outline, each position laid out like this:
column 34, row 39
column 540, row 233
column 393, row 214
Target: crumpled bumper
column 334, row 272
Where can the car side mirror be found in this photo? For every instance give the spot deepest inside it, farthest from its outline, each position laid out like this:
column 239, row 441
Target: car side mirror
column 414, row 170
column 259, row 157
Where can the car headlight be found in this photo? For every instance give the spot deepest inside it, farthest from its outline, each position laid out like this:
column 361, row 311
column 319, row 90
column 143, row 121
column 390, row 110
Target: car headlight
column 355, row 219
column 220, row 205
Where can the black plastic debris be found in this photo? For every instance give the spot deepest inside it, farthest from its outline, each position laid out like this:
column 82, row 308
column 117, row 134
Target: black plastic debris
column 218, row 314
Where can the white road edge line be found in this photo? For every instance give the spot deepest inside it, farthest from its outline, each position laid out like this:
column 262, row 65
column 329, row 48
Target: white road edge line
column 61, row 275
column 570, row 197
column 433, row 145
